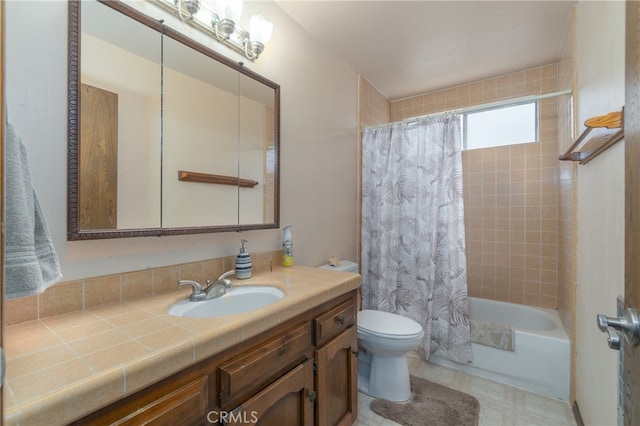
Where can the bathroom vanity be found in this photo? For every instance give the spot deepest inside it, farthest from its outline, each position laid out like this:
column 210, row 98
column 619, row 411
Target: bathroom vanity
column 292, row 362
column 301, row 372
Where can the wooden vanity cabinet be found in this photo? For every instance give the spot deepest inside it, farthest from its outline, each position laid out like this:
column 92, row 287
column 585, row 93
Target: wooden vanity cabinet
column 251, row 371
column 301, row 372
column 179, row 400
column 336, row 366
column 289, row 400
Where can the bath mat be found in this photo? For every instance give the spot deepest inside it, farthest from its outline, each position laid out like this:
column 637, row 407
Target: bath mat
column 430, row 404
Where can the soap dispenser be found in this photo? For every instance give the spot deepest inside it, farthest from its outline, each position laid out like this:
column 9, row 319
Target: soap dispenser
column 243, row 263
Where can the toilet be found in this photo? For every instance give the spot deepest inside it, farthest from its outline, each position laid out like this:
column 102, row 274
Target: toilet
column 384, row 339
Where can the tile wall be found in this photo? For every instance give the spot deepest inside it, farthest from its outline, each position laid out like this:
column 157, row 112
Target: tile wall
column 502, row 273
column 511, row 193
column 70, row 296
column 568, row 198
column 374, row 107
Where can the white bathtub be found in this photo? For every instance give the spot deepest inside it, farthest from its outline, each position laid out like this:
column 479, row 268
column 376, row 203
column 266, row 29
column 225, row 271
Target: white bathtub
column 541, row 360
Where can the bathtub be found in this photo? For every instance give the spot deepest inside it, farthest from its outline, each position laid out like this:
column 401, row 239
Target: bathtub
column 541, row 360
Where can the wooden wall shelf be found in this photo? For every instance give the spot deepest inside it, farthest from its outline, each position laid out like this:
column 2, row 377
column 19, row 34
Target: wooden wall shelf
column 606, row 129
column 219, row 179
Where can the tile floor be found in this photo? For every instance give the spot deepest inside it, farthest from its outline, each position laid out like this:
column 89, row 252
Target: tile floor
column 500, row 404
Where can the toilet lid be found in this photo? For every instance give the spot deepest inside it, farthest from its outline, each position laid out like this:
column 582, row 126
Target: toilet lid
column 387, row 324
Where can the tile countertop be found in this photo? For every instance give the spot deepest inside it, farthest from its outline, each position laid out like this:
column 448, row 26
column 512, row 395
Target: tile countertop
column 63, row 367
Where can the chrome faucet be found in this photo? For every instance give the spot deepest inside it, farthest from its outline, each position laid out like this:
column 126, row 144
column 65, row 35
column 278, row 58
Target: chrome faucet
column 219, row 287
column 197, row 294
column 212, row 291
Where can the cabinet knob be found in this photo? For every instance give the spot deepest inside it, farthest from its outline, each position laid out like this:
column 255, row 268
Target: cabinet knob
column 312, row 396
column 340, row 319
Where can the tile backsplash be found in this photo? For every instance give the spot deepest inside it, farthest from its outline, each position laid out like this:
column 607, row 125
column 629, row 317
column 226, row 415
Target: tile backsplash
column 77, row 295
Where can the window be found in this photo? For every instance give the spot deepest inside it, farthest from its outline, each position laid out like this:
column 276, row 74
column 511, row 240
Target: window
column 513, row 124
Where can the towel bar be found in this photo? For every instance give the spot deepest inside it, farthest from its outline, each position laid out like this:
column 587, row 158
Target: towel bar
column 608, row 129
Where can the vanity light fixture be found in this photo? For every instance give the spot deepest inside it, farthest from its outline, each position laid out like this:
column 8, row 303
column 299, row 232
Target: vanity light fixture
column 228, row 12
column 222, row 23
column 260, row 30
column 188, row 7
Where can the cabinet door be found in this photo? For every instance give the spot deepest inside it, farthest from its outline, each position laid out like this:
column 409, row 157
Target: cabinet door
column 336, row 381
column 289, row 401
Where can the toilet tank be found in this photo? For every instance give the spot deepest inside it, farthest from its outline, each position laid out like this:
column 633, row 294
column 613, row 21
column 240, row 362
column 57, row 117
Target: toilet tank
column 345, row 266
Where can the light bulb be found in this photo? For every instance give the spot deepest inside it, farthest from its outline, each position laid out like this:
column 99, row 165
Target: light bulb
column 229, row 9
column 260, row 29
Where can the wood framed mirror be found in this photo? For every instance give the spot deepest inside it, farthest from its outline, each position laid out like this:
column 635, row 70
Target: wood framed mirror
column 166, row 136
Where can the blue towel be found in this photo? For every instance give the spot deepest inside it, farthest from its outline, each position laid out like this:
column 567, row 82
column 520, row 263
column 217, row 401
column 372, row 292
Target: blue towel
column 31, row 264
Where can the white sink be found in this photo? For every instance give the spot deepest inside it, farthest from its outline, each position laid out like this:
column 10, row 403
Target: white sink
column 237, row 300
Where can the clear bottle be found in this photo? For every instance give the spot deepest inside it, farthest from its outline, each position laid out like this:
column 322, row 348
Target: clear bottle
column 287, row 246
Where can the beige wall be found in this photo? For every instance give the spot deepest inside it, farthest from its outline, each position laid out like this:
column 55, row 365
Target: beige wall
column 318, row 137
column 600, row 256
column 511, row 193
column 568, row 196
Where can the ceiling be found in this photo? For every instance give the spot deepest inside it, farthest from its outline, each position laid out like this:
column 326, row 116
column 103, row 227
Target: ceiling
column 405, row 48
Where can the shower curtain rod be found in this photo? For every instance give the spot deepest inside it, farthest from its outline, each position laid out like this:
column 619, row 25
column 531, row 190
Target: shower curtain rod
column 475, row 108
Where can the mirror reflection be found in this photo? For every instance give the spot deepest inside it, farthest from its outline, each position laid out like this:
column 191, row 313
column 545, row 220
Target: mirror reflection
column 119, row 141
column 170, row 137
column 200, row 135
column 257, row 148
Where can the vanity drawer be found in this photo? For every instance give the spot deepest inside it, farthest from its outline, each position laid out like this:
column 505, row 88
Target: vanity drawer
column 243, row 376
column 160, row 404
column 334, row 321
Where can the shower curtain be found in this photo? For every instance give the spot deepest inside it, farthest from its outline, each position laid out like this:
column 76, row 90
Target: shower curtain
column 413, row 244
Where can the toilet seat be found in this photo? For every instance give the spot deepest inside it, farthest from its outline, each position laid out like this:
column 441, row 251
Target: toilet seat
column 387, row 325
